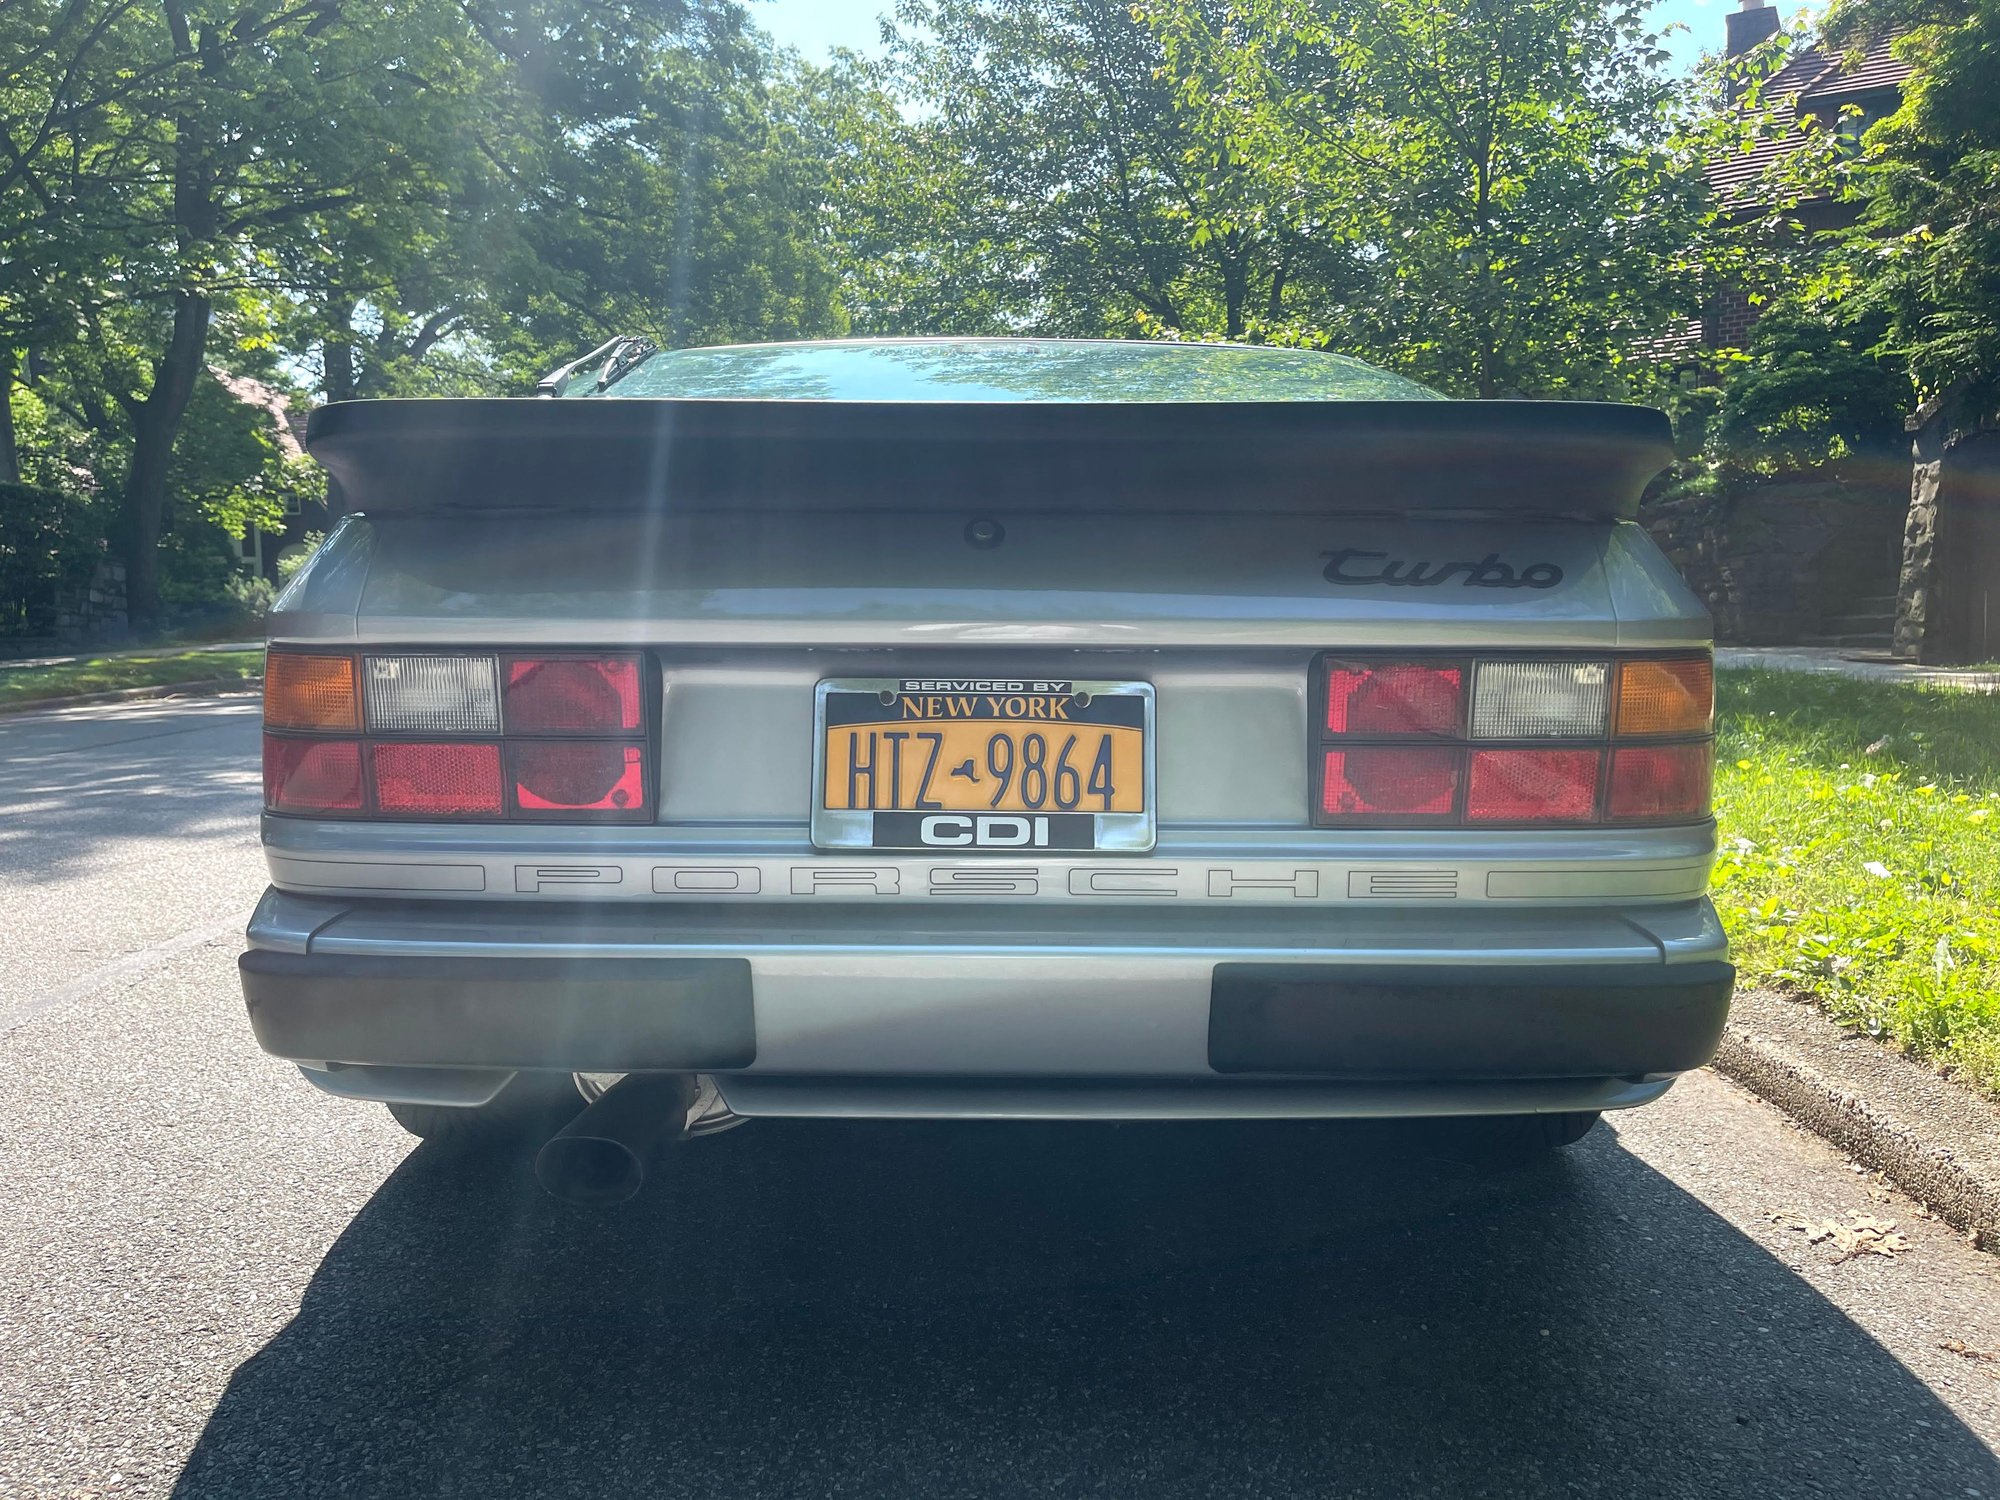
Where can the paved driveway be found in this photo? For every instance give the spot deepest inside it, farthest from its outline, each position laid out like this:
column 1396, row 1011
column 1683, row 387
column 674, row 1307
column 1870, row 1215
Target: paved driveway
column 215, row 1281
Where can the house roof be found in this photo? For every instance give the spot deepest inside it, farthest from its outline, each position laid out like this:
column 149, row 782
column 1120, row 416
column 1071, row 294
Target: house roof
column 288, row 425
column 1815, row 82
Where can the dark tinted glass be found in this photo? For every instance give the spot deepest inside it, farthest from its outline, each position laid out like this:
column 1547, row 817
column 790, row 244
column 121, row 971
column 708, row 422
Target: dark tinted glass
column 1012, row 370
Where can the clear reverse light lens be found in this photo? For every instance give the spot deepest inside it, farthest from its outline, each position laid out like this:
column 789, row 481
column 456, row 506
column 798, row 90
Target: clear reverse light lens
column 1534, row 699
column 432, row 694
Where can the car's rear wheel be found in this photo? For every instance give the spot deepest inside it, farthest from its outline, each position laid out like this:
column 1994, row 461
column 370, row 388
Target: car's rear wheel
column 530, row 1109
column 1535, row 1135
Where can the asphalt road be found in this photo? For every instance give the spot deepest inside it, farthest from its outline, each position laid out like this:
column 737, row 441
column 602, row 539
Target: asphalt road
column 216, row 1281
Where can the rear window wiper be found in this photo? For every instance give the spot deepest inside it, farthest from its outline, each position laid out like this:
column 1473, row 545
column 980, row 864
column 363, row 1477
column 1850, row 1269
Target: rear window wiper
column 613, row 359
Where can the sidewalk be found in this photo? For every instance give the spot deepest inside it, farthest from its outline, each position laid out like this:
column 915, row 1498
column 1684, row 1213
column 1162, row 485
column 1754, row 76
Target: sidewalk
column 1833, row 661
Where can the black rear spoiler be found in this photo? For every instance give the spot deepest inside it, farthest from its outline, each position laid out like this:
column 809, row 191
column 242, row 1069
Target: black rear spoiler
column 1548, row 458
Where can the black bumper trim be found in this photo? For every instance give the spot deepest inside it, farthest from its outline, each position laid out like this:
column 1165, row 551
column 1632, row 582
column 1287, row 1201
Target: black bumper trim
column 585, row 1015
column 1440, row 1022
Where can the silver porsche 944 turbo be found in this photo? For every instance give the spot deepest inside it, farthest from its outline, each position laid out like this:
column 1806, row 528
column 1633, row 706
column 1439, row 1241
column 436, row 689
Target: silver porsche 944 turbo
column 984, row 728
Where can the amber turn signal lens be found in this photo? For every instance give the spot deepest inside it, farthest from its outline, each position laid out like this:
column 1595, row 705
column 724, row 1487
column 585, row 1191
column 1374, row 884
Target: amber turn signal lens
column 1672, row 696
column 309, row 692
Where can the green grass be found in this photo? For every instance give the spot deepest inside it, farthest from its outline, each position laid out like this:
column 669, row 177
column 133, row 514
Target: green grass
column 1860, row 859
column 103, row 674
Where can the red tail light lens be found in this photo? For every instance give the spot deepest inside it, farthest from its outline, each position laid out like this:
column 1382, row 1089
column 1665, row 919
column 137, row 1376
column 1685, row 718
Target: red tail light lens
column 572, row 695
column 581, row 776
column 1523, row 786
column 1391, row 782
column 1661, row 783
column 312, row 776
column 452, row 781
column 1395, row 698
column 1513, row 739
column 555, row 736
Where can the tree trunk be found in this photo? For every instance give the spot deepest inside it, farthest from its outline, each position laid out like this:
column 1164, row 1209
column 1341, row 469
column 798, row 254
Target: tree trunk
column 155, row 421
column 10, row 458
column 1233, row 261
column 1274, row 306
column 157, row 418
column 338, row 379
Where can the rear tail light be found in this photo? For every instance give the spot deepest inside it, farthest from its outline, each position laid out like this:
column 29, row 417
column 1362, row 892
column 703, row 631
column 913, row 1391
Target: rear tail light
column 572, row 695
column 309, row 692
column 459, row 734
column 431, row 694
column 1666, row 697
column 1661, row 783
column 566, row 776
column 312, row 775
column 1411, row 698
column 451, row 781
column 1521, row 786
column 1513, row 741
column 1524, row 700
column 1393, row 783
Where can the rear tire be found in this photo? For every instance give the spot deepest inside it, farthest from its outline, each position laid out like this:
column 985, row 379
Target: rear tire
column 1558, row 1131
column 1525, row 1137
column 1500, row 1142
column 530, row 1109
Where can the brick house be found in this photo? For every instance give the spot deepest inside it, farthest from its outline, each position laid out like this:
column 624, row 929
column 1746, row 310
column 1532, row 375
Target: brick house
column 1945, row 573
column 1815, row 88
column 1803, row 559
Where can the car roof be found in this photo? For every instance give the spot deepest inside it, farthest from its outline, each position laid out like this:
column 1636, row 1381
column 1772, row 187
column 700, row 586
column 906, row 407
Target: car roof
column 1010, row 370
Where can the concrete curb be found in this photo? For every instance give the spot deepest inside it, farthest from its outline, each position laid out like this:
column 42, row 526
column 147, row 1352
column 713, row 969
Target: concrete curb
column 1936, row 1141
column 206, row 688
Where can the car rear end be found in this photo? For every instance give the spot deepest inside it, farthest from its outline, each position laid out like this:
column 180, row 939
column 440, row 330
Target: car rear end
column 994, row 760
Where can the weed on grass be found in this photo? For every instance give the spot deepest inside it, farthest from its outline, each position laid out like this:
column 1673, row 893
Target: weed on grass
column 1860, row 860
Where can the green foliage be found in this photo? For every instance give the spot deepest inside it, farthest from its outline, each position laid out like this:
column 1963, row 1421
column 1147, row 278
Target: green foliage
column 50, row 542
column 1504, row 176
column 198, row 563
column 1926, row 255
column 1489, row 197
column 227, row 468
column 1861, row 855
column 54, row 449
column 299, row 554
column 1497, row 197
column 250, row 597
column 1812, row 390
column 1048, row 180
column 427, row 198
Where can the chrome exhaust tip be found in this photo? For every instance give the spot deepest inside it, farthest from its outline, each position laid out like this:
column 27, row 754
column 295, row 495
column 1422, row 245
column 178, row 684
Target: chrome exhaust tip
column 603, row 1155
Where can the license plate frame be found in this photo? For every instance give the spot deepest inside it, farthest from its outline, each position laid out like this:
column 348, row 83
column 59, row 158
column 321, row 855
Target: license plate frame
column 972, row 831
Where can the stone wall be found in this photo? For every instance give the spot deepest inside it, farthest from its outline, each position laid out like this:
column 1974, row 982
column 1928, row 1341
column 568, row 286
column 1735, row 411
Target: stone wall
column 1786, row 562
column 1948, row 609
column 95, row 614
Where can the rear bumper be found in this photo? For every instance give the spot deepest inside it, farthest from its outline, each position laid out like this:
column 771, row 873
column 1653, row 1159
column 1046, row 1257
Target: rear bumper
column 587, row 1015
column 1438, row 1010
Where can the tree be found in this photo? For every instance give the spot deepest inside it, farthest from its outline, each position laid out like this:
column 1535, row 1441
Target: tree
column 1050, row 179
column 1496, row 196
column 445, row 194
column 662, row 188
column 1506, row 177
column 1810, row 391
column 1926, row 253
column 156, row 157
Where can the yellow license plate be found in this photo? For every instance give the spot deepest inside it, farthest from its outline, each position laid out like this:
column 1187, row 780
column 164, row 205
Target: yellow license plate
column 984, row 763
